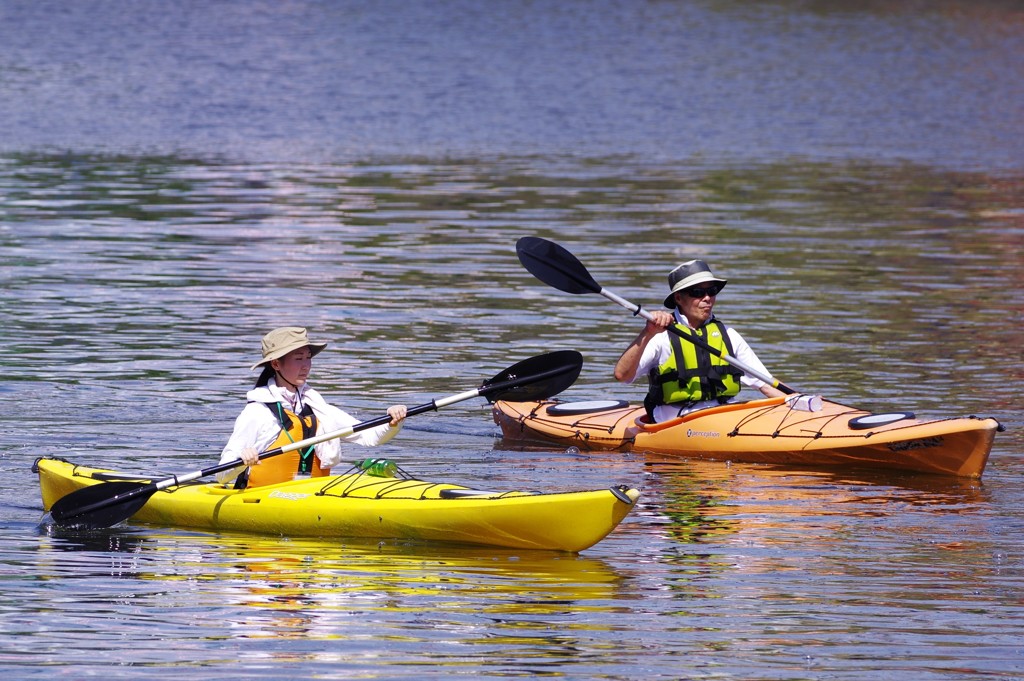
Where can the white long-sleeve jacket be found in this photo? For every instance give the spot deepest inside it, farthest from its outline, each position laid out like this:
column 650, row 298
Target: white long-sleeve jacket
column 257, row 426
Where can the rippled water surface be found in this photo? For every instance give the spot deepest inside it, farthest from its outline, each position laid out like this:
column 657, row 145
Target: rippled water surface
column 175, row 183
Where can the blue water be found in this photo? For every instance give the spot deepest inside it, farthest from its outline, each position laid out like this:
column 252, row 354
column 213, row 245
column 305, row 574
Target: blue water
column 940, row 83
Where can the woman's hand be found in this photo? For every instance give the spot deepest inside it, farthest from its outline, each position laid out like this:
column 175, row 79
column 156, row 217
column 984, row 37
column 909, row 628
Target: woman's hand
column 397, row 413
column 250, row 456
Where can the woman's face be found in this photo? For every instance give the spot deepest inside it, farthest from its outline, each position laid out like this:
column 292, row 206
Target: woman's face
column 294, row 367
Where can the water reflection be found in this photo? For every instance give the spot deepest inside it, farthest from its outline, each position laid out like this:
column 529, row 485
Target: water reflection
column 748, row 489
column 303, row 589
column 802, row 520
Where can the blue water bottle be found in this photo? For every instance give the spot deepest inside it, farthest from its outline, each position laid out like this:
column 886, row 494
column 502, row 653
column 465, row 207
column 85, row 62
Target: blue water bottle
column 379, row 468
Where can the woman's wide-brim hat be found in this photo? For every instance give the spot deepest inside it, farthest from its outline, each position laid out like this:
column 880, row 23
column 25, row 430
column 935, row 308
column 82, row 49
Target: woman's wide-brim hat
column 689, row 274
column 280, row 342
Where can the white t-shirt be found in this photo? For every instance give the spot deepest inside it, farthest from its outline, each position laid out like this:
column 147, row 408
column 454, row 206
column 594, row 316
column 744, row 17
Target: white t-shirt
column 659, row 349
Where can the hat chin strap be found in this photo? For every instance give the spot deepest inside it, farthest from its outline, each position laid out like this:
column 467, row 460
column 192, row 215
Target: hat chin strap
column 282, row 379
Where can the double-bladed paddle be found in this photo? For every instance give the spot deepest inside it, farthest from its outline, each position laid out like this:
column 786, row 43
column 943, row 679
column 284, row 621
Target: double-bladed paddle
column 111, row 502
column 560, row 269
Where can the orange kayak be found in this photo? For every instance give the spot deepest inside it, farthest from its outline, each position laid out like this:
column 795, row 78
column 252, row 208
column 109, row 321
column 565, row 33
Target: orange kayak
column 777, row 431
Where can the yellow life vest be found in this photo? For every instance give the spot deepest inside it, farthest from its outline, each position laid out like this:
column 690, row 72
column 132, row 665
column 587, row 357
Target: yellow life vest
column 703, row 376
column 285, row 466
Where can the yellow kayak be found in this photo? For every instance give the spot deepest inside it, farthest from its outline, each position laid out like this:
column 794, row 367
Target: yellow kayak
column 358, row 505
column 771, row 431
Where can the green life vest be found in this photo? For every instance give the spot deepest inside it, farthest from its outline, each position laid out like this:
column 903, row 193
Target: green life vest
column 703, row 376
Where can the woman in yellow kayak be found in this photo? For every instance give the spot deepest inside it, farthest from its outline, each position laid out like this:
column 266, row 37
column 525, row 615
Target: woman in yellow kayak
column 682, row 376
column 282, row 409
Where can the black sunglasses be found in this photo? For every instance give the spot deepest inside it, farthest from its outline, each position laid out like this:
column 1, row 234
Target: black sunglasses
column 696, row 292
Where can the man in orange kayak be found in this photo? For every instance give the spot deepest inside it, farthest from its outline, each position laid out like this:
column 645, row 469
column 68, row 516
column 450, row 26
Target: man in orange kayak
column 683, row 376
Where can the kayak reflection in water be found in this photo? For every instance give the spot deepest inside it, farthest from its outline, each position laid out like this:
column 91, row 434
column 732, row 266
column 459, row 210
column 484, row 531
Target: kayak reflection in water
column 282, row 408
column 682, row 376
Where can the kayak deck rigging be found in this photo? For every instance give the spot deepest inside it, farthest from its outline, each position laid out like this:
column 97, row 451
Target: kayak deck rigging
column 772, row 430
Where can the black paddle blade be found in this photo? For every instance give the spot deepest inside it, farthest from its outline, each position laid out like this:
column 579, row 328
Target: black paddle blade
column 555, row 266
column 101, row 505
column 535, row 378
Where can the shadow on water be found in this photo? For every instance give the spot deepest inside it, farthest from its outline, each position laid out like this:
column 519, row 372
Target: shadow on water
column 113, row 540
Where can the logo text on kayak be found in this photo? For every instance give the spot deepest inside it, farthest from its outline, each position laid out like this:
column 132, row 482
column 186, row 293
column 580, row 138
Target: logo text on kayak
column 290, row 496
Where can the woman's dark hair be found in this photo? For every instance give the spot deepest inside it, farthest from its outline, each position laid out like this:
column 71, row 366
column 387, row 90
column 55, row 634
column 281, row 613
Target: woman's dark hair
column 265, row 375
